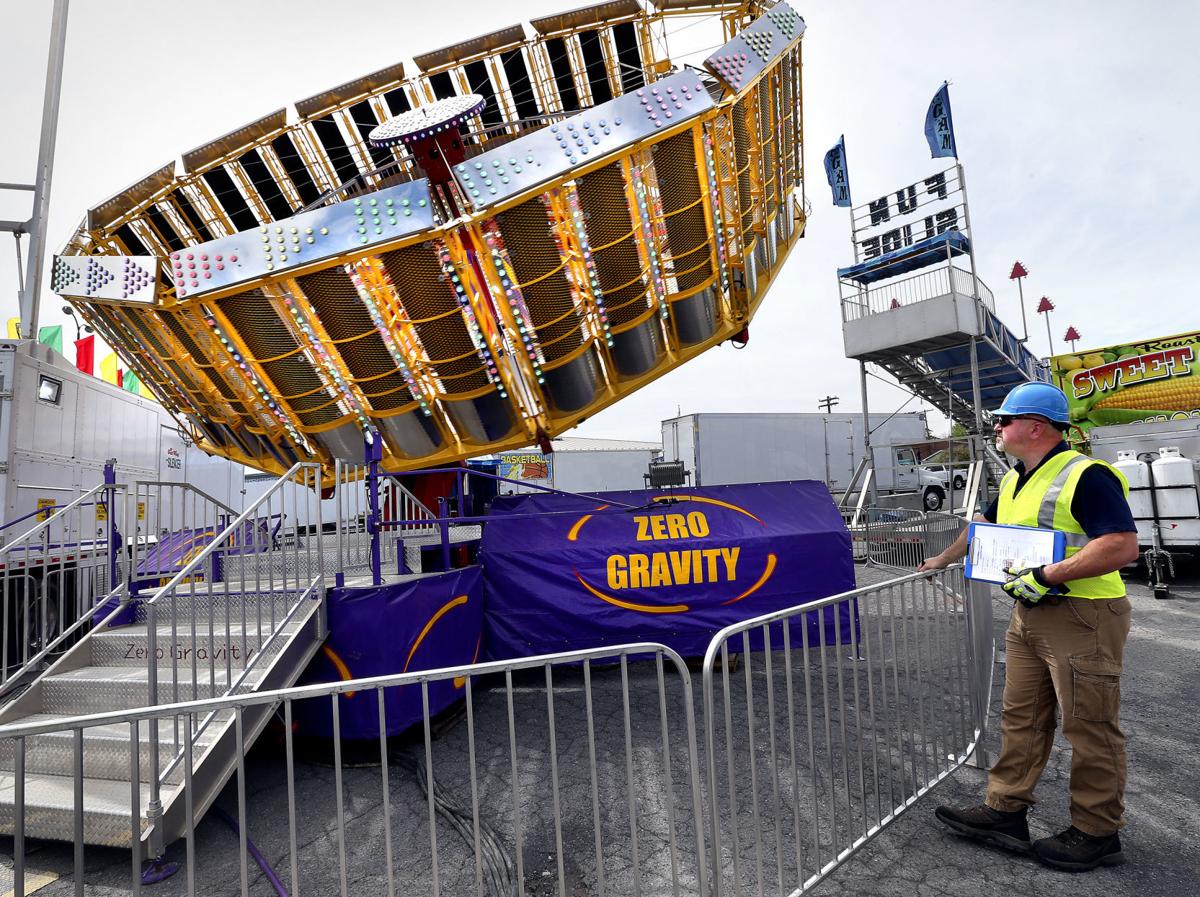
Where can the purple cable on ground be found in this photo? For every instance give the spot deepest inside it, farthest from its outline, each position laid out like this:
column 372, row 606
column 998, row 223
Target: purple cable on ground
column 254, row 852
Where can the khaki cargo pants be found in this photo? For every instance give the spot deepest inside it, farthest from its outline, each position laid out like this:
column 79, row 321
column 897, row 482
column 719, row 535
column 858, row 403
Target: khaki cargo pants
column 1064, row 656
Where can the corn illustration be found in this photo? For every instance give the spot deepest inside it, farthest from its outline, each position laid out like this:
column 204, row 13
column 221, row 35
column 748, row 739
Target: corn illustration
column 1170, row 395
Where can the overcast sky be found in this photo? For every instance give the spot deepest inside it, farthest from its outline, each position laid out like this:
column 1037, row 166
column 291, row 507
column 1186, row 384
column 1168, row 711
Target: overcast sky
column 1076, row 122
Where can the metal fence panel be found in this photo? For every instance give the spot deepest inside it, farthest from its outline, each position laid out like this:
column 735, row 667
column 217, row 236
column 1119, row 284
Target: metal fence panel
column 564, row 774
column 815, row 746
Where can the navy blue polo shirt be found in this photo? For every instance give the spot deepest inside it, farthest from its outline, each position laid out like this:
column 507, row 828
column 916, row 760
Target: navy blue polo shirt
column 1099, row 503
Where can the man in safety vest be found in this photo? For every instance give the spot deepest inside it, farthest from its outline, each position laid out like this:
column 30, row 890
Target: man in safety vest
column 1065, row 639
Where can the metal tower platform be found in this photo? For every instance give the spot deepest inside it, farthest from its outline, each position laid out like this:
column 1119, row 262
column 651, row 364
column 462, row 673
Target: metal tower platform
column 914, row 304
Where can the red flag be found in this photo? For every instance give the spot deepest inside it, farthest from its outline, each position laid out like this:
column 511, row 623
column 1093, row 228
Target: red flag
column 1045, row 305
column 120, row 377
column 1072, row 335
column 85, row 353
column 1018, row 271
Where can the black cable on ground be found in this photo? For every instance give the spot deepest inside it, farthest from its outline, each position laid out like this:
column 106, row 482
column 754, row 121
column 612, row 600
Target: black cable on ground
column 499, row 868
column 497, row 864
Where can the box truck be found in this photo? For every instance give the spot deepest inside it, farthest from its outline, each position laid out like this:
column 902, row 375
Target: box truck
column 758, row 448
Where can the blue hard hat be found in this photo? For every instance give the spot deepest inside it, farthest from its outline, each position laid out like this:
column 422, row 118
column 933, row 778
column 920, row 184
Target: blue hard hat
column 1041, row 399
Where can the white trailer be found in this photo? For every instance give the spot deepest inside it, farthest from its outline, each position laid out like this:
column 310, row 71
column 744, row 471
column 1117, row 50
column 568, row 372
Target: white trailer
column 58, row 427
column 580, row 464
column 755, row 448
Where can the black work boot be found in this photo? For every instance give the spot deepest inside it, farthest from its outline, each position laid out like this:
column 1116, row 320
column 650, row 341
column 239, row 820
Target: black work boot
column 1009, row 830
column 1077, row 851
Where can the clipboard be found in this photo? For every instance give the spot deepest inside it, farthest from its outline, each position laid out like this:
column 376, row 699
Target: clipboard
column 993, row 547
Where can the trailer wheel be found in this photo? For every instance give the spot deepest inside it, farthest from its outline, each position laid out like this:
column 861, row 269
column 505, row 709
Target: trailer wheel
column 934, row 498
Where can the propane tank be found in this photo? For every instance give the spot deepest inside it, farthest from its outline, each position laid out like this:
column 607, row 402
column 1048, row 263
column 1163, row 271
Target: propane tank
column 1137, row 474
column 1178, row 507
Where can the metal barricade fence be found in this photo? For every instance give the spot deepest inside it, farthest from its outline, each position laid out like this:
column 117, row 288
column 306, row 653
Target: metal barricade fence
column 894, row 537
column 941, row 529
column 569, row 773
column 50, row 574
column 836, row 724
column 901, row 538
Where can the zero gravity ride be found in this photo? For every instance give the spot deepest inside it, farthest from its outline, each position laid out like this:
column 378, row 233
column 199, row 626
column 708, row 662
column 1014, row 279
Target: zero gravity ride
column 470, row 257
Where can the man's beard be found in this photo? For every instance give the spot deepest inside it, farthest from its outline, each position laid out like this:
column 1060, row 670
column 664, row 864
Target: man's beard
column 1000, row 443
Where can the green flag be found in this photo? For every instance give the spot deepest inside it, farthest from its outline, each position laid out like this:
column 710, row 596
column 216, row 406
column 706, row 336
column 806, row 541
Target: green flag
column 52, row 337
column 130, row 383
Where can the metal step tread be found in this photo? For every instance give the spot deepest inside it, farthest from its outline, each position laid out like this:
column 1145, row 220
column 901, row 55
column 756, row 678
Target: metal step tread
column 108, row 731
column 141, row 675
column 50, row 805
column 107, row 750
column 164, row 628
column 233, row 590
column 253, row 628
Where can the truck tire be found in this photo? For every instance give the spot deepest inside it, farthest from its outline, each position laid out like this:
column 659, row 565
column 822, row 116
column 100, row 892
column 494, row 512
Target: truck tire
column 959, row 481
column 934, row 498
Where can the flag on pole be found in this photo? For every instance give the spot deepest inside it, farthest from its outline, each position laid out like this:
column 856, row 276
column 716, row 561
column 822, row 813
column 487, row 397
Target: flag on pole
column 130, row 383
column 838, row 174
column 52, row 337
column 14, row 328
column 85, row 354
column 939, row 124
column 108, row 370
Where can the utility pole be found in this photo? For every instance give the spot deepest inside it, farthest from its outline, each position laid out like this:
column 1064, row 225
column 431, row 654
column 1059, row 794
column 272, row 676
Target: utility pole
column 30, row 297
column 827, row 403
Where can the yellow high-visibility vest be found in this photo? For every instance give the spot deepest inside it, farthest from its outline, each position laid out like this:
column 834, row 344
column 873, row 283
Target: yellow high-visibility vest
column 1045, row 501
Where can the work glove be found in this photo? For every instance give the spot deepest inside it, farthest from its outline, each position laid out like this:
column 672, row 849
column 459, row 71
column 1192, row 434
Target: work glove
column 1026, row 585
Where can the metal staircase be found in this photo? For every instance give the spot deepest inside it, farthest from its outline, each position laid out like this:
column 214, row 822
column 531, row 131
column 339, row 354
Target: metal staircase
column 243, row 613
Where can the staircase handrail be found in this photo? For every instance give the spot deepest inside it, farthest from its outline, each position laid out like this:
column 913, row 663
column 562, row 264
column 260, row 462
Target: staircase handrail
column 15, row 678
column 425, row 510
column 154, row 807
column 34, row 539
column 189, row 488
column 60, row 512
column 854, row 478
column 193, row 735
column 218, row 541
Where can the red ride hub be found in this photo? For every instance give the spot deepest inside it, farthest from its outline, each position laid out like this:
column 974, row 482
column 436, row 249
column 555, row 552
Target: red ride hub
column 431, row 134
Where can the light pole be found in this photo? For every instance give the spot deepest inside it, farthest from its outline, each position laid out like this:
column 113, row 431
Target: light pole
column 1019, row 273
column 1071, row 336
column 1044, row 308
column 86, row 328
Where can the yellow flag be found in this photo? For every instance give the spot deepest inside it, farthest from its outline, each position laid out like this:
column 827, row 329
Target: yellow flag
column 14, row 328
column 108, row 369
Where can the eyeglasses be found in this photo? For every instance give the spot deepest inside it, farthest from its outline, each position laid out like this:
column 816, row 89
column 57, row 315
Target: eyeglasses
column 1003, row 420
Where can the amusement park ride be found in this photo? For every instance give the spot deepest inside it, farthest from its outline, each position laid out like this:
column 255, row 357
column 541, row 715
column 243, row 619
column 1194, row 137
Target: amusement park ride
column 416, row 267
column 474, row 255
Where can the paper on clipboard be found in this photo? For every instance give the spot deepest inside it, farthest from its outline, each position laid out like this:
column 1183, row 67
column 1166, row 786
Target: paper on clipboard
column 995, row 548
